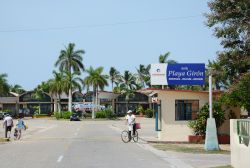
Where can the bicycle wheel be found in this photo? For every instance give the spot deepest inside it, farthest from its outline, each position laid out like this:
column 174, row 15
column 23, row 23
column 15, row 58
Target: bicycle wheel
column 124, row 136
column 135, row 137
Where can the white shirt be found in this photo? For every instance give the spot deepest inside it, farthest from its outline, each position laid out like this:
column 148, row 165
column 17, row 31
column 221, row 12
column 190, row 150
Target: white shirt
column 8, row 120
column 130, row 119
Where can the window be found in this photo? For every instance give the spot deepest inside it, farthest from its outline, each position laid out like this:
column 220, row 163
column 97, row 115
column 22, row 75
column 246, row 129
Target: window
column 186, row 109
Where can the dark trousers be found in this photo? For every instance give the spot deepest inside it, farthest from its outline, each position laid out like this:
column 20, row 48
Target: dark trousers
column 129, row 132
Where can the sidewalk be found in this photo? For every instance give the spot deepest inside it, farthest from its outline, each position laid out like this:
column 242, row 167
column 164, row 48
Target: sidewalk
column 148, row 134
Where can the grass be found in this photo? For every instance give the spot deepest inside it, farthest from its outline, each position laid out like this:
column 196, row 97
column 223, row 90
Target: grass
column 4, row 139
column 228, row 166
column 193, row 148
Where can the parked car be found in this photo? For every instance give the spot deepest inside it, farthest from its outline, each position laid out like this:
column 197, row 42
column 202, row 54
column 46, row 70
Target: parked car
column 74, row 117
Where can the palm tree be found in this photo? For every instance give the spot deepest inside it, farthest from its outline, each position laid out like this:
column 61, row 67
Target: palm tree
column 96, row 80
column 17, row 89
column 144, row 75
column 40, row 90
column 72, row 80
column 4, row 86
column 71, row 61
column 128, row 86
column 113, row 76
column 57, row 87
column 164, row 59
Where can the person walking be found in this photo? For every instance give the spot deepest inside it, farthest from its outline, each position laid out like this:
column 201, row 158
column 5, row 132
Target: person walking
column 19, row 126
column 8, row 124
column 130, row 120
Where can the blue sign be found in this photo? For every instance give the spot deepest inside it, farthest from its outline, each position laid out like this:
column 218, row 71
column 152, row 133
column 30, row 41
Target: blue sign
column 185, row 74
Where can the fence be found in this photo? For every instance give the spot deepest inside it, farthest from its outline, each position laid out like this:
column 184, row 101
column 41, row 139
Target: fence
column 243, row 130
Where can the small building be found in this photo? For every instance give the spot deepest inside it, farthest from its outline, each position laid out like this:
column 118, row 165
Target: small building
column 9, row 102
column 176, row 107
column 122, row 105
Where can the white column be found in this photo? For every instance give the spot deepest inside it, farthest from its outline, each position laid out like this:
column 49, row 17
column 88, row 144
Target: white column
column 210, row 97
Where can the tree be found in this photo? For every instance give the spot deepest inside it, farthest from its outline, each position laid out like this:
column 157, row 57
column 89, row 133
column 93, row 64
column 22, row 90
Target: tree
column 96, row 80
column 72, row 82
column 128, row 86
column 164, row 59
column 231, row 21
column 57, row 87
column 17, row 89
column 113, row 76
column 71, row 61
column 143, row 75
column 239, row 93
column 4, row 86
column 39, row 92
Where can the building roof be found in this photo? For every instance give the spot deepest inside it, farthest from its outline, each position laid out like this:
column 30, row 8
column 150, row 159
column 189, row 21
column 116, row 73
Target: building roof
column 152, row 91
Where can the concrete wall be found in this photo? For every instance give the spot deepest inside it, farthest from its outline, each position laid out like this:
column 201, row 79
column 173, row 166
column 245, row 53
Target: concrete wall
column 4, row 100
column 240, row 153
column 225, row 128
column 173, row 130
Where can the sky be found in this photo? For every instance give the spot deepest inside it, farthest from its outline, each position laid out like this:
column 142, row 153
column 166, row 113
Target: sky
column 118, row 33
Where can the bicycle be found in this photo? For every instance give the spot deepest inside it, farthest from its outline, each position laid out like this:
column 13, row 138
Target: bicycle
column 125, row 136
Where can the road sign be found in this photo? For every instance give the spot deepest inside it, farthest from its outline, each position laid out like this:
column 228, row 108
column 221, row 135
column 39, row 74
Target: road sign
column 178, row 74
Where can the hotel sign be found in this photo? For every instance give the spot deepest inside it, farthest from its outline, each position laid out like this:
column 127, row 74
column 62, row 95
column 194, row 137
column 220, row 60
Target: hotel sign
column 177, row 74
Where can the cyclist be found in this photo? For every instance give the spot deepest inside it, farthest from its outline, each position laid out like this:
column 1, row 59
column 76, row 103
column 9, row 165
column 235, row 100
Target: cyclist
column 19, row 126
column 130, row 120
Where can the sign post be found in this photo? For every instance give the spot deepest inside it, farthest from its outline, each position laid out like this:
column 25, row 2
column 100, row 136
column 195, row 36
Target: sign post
column 211, row 141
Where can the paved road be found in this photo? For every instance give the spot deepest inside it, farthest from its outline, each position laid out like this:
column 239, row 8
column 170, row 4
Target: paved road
column 66, row 144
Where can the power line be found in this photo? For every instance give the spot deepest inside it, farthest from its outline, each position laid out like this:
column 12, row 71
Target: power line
column 100, row 25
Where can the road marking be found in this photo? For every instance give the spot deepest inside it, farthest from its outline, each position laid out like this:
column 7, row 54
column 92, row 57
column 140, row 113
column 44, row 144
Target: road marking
column 60, row 159
column 47, row 128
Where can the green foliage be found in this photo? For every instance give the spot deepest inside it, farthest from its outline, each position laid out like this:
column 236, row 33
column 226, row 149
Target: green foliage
column 4, row 86
column 114, row 76
column 199, row 124
column 62, row 115
column 239, row 94
column 107, row 113
column 66, row 114
column 7, row 110
column 230, row 20
column 100, row 114
column 140, row 109
column 149, row 113
column 57, row 115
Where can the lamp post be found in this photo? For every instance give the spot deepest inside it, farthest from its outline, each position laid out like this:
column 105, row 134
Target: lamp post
column 211, row 141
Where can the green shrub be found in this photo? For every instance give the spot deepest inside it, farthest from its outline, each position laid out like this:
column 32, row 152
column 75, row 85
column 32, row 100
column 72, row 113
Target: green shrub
column 100, row 114
column 66, row 114
column 57, row 115
column 149, row 113
column 140, row 110
column 107, row 113
column 199, row 124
